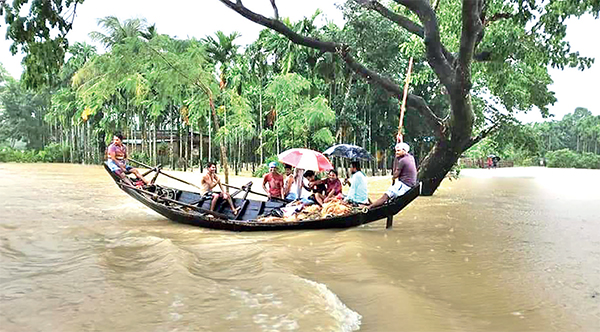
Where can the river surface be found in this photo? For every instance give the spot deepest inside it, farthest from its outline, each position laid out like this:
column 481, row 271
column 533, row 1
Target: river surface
column 497, row 250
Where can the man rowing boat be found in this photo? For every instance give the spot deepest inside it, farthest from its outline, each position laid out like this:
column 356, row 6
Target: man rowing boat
column 117, row 160
column 208, row 182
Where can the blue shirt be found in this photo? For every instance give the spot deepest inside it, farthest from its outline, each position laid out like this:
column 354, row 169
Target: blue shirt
column 358, row 188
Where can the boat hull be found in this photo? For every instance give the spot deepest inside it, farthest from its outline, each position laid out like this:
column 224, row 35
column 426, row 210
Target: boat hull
column 227, row 221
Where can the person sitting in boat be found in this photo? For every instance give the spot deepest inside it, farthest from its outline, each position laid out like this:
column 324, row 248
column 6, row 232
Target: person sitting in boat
column 288, row 179
column 275, row 182
column 404, row 175
column 358, row 193
column 295, row 187
column 312, row 188
column 333, row 187
column 208, row 182
column 117, row 160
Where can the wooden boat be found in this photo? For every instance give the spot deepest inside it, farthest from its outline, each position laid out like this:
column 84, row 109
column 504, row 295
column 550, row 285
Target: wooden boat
column 190, row 208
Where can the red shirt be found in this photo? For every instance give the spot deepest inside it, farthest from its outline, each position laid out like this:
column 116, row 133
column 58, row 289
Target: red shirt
column 275, row 184
column 333, row 185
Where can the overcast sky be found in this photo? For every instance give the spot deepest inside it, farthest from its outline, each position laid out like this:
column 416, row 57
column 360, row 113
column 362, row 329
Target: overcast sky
column 187, row 18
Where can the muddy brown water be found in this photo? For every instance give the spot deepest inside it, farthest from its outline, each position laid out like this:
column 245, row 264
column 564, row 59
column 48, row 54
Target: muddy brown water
column 498, row 250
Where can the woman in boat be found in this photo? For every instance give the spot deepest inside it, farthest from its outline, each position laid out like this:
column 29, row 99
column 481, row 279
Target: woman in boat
column 333, row 187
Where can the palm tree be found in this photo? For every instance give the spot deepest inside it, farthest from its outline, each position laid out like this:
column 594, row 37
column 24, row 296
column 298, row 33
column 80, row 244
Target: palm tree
column 116, row 33
column 223, row 51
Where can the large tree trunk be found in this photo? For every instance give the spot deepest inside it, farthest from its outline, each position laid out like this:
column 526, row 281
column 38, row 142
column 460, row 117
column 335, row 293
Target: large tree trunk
column 436, row 165
column 446, row 151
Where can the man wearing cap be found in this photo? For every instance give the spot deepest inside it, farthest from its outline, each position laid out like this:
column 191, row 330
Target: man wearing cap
column 275, row 182
column 404, row 175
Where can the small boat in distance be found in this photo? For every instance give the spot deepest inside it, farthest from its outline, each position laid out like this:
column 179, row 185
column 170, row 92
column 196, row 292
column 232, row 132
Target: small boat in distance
column 190, row 208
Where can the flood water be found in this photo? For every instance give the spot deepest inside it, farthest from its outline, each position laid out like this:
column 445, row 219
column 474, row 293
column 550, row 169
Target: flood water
column 497, row 250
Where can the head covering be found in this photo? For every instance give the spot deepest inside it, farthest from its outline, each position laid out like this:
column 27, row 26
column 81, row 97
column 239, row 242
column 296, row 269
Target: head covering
column 272, row 164
column 402, row 146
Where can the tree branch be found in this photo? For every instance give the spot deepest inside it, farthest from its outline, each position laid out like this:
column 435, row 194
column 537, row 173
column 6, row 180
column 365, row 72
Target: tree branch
column 483, row 134
column 344, row 52
column 471, row 28
column 483, row 56
column 402, row 21
column 497, row 17
column 413, row 101
column 435, row 122
column 275, row 9
column 282, row 28
column 438, row 58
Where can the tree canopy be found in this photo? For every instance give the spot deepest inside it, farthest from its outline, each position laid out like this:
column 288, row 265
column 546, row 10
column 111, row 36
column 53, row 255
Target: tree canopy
column 476, row 63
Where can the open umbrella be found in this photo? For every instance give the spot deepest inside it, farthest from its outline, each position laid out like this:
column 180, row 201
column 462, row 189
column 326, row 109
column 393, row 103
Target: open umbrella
column 305, row 159
column 348, row 151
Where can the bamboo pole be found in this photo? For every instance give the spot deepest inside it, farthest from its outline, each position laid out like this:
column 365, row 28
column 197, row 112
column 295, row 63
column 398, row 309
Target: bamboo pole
column 400, row 137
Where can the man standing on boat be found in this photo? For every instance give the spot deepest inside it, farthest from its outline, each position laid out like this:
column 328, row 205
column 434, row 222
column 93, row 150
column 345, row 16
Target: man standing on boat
column 117, row 160
column 275, row 182
column 404, row 175
column 208, row 182
column 358, row 193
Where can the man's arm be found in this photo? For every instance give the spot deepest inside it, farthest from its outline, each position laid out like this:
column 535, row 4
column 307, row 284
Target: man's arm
column 264, row 185
column 218, row 182
column 331, row 194
column 113, row 156
column 395, row 170
column 287, row 186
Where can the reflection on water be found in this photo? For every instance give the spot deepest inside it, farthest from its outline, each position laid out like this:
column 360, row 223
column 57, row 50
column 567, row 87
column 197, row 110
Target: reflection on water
column 505, row 249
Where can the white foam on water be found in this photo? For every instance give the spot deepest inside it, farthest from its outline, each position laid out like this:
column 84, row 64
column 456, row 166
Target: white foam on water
column 349, row 320
column 272, row 311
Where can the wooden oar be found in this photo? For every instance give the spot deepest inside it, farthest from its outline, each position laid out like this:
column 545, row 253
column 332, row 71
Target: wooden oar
column 257, row 193
column 199, row 209
column 166, row 174
column 193, row 185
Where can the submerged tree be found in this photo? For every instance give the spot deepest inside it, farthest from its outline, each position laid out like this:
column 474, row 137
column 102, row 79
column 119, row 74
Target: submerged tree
column 489, row 47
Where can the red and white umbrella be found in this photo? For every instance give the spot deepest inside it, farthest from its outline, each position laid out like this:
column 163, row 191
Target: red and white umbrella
column 305, row 159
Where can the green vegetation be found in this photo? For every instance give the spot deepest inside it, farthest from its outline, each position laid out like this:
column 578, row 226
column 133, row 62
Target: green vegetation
column 573, row 141
column 297, row 85
column 566, row 158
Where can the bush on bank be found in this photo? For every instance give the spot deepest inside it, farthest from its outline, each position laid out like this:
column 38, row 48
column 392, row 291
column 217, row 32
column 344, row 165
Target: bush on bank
column 566, row 158
column 52, row 153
